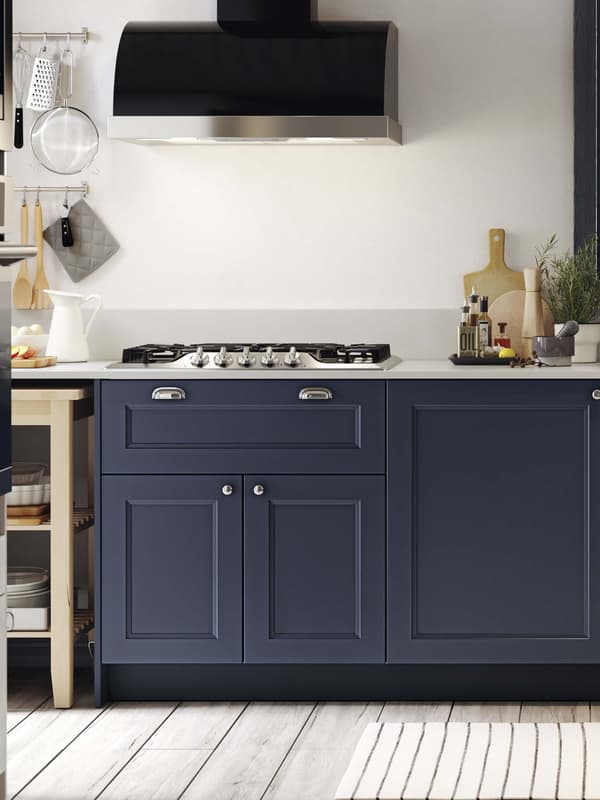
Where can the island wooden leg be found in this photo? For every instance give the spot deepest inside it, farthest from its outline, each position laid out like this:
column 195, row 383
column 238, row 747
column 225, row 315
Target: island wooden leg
column 61, row 553
column 91, row 504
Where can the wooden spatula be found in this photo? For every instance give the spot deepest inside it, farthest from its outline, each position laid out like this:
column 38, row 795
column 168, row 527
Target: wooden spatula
column 23, row 290
column 40, row 282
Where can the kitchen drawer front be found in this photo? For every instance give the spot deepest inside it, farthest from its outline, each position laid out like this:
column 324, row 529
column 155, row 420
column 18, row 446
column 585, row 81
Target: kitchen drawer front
column 243, row 426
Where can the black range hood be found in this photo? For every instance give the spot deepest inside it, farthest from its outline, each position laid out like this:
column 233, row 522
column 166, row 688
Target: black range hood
column 265, row 72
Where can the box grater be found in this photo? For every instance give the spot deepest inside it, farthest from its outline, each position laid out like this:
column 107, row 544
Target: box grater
column 44, row 82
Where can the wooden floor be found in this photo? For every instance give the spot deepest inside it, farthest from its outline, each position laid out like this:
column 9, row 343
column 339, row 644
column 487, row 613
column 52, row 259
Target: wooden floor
column 204, row 751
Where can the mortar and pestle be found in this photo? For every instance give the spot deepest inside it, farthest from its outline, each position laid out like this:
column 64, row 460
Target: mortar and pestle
column 557, row 351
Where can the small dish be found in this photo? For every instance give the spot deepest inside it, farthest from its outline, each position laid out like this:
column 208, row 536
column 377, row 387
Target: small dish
column 35, row 494
column 25, row 473
column 39, row 342
column 22, row 580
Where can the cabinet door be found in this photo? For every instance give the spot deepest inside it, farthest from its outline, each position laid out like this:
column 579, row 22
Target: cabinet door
column 314, row 569
column 171, row 570
column 493, row 551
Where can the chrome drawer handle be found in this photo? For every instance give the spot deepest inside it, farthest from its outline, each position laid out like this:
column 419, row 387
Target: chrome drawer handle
column 169, row 393
column 596, row 394
column 315, row 393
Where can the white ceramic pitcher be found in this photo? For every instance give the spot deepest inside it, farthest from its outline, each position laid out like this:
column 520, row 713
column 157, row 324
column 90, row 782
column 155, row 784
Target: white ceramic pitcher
column 68, row 338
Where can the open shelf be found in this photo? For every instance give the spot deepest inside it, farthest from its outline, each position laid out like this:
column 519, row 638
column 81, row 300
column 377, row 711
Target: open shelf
column 82, row 622
column 29, row 634
column 83, row 518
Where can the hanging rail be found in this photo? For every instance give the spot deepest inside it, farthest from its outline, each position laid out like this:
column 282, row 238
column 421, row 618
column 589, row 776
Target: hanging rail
column 83, row 36
column 83, row 189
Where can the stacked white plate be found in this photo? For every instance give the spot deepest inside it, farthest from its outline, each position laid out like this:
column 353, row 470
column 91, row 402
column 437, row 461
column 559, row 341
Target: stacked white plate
column 28, row 598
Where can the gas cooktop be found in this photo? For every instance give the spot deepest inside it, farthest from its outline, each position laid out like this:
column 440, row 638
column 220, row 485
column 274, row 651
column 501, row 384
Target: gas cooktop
column 244, row 357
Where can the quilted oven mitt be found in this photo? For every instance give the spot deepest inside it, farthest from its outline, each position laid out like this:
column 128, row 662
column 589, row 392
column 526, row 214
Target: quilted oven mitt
column 93, row 244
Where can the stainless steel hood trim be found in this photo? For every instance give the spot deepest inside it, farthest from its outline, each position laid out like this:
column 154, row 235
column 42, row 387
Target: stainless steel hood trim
column 11, row 253
column 163, row 130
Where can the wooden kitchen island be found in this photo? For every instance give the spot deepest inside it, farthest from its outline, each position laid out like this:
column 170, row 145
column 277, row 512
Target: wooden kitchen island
column 58, row 408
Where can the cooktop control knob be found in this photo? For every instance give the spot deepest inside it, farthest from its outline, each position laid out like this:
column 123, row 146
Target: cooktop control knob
column 293, row 359
column 269, row 359
column 245, row 359
column 222, row 359
column 199, row 359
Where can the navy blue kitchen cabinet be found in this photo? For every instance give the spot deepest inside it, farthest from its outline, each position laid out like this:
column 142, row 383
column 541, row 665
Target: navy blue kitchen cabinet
column 245, row 426
column 493, row 515
column 314, row 569
column 171, row 569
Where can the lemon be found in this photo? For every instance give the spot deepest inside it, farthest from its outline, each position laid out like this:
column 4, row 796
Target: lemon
column 508, row 352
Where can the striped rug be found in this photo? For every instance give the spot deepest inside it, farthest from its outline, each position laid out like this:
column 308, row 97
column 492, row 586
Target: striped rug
column 475, row 761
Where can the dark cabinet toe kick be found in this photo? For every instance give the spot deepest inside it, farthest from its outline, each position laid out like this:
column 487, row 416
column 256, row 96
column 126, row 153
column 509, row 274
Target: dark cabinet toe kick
column 349, row 682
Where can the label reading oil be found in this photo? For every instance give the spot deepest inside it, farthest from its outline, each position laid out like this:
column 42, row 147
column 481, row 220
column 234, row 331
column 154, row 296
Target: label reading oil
column 468, row 340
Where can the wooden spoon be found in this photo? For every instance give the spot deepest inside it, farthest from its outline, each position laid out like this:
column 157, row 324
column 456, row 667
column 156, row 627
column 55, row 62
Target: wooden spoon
column 40, row 282
column 23, row 290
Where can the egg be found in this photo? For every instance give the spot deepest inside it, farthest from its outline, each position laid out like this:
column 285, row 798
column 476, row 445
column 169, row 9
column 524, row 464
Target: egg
column 24, row 331
column 36, row 330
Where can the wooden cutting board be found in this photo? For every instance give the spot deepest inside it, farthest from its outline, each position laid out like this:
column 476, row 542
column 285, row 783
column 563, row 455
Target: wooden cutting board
column 28, row 511
column 28, row 521
column 510, row 308
column 33, row 363
column 496, row 279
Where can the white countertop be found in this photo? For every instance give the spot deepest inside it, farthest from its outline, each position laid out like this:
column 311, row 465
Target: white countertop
column 407, row 370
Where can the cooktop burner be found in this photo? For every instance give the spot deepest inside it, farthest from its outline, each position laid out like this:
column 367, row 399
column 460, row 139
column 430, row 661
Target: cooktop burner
column 258, row 356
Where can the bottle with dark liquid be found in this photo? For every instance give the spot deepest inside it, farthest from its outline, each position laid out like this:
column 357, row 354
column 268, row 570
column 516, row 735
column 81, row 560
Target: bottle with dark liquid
column 485, row 325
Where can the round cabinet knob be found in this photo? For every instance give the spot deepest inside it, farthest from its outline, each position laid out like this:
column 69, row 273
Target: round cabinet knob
column 596, row 394
column 259, row 490
column 227, row 490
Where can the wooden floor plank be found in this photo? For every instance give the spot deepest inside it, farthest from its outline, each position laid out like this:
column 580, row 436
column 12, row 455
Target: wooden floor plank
column 14, row 718
column 42, row 736
column 156, row 775
column 555, row 712
column 196, row 726
column 98, row 754
column 244, row 764
column 316, row 763
column 485, row 712
column 416, row 712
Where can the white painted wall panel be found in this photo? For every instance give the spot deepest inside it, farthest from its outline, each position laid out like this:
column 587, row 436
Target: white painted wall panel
column 486, row 105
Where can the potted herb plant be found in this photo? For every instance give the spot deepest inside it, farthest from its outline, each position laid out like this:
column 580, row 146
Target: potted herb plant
column 571, row 288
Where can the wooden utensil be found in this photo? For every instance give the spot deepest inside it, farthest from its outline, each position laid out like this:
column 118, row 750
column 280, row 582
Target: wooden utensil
column 510, row 308
column 40, row 282
column 23, row 290
column 496, row 279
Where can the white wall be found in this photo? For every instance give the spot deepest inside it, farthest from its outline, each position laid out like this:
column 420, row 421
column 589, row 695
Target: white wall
column 486, row 105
